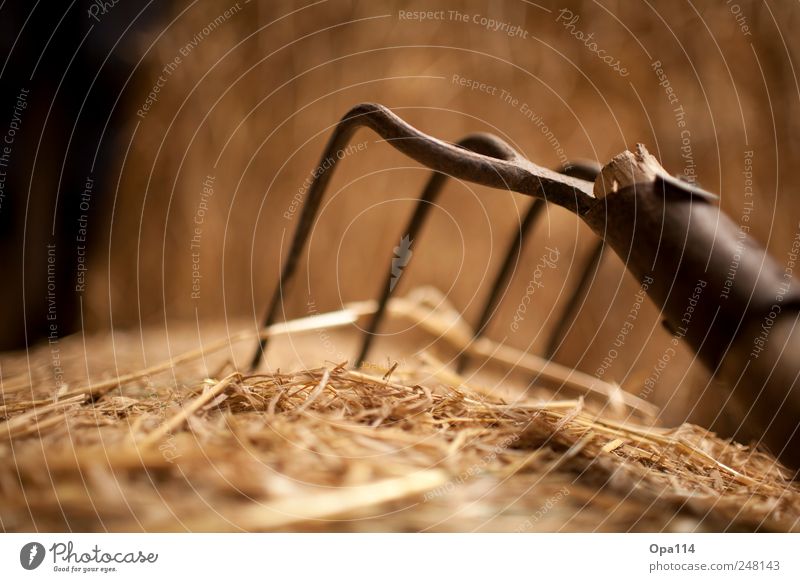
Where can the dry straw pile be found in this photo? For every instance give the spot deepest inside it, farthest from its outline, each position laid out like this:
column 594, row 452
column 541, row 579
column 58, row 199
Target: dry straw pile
column 192, row 444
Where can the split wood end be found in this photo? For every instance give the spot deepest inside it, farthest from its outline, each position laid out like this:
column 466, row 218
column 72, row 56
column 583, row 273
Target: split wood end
column 626, row 169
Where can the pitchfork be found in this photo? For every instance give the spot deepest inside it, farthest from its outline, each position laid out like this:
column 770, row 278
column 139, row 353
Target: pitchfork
column 744, row 322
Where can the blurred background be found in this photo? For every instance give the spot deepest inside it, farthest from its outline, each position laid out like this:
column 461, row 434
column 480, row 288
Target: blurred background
column 154, row 154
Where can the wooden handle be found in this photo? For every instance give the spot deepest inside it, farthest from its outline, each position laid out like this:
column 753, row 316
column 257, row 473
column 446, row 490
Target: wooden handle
column 717, row 287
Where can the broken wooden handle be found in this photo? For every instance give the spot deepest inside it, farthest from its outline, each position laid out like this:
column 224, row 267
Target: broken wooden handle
column 720, row 291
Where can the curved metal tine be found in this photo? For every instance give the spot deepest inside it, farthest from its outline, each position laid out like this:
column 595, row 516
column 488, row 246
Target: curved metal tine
column 482, row 143
column 575, row 300
column 584, row 170
column 503, row 275
column 518, row 175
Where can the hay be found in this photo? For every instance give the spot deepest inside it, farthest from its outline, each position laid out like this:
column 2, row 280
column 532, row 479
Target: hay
column 192, row 444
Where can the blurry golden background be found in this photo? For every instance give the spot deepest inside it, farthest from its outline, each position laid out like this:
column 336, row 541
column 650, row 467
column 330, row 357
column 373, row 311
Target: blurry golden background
column 258, row 86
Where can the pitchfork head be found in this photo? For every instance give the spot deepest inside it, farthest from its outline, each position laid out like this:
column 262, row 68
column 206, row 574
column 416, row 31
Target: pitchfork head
column 665, row 230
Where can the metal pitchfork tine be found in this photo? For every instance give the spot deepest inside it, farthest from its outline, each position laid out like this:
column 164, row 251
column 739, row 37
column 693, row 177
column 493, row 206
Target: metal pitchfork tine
column 667, row 232
column 481, row 143
column 508, row 171
column 584, row 170
column 488, row 145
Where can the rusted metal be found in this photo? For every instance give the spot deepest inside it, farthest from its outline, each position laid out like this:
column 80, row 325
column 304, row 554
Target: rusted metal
column 482, row 143
column 515, row 173
column 663, row 229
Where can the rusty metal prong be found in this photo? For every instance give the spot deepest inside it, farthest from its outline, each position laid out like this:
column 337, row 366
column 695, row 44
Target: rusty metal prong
column 482, row 143
column 575, row 300
column 517, row 174
column 504, row 275
column 584, row 170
